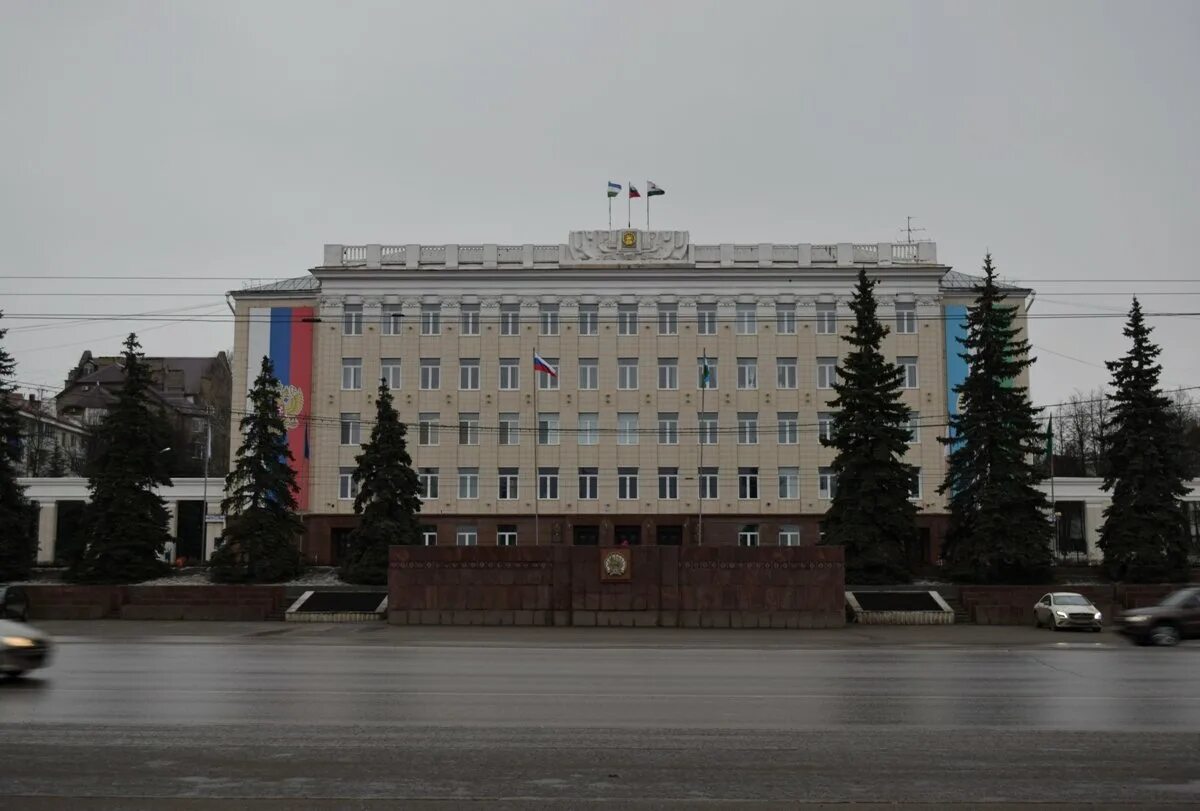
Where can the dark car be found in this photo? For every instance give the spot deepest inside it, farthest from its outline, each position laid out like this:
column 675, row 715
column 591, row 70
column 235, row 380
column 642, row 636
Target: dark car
column 14, row 603
column 1176, row 617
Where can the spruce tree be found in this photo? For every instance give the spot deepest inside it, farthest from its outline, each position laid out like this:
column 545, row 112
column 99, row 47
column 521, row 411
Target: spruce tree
column 260, row 541
column 18, row 542
column 388, row 498
column 1144, row 537
column 125, row 523
column 872, row 515
column 1000, row 530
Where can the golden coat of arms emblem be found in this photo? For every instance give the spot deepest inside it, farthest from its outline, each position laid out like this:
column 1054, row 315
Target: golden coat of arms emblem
column 291, row 403
column 629, row 239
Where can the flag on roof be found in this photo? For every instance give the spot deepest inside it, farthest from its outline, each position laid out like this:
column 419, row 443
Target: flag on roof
column 633, row 192
column 653, row 189
column 540, row 365
column 613, row 189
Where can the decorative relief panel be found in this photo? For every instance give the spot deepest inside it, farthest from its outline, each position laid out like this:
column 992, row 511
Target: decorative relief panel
column 628, row 245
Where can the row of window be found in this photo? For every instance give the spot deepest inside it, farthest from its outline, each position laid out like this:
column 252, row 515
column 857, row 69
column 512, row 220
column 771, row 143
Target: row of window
column 628, row 430
column 628, row 378
column 506, row 535
column 746, row 319
column 508, row 483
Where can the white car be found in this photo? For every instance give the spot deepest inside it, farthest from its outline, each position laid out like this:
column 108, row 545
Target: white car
column 1066, row 609
column 22, row 648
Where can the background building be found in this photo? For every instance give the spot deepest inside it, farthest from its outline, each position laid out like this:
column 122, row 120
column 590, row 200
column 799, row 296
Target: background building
column 50, row 445
column 624, row 445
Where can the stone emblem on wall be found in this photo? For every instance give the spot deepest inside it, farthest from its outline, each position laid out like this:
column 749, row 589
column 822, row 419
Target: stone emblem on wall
column 628, row 245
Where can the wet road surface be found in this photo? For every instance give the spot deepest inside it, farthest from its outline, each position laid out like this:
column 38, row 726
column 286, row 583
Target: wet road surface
column 175, row 716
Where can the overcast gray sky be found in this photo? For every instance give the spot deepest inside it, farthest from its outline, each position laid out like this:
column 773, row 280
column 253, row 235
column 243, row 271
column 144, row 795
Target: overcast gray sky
column 215, row 139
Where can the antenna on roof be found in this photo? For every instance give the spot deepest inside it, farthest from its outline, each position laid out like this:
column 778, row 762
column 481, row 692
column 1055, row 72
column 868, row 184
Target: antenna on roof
column 908, row 230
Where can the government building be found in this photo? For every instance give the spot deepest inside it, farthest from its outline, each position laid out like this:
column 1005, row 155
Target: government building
column 625, row 443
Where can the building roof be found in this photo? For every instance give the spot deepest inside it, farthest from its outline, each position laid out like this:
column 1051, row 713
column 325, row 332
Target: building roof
column 298, row 284
column 955, row 280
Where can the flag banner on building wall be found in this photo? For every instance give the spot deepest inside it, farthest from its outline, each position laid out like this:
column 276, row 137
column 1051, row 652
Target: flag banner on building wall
column 285, row 335
column 956, row 367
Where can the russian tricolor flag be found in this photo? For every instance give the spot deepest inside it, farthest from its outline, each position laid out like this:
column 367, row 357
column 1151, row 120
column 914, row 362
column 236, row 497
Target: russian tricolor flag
column 285, row 335
column 540, row 365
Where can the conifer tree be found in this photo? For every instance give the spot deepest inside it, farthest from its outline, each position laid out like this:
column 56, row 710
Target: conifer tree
column 262, row 529
column 1144, row 537
column 872, row 515
column 1000, row 531
column 388, row 499
column 125, row 523
column 18, row 542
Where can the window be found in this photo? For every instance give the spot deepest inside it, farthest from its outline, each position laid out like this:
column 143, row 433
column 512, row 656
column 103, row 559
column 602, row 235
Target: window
column 351, row 428
column 747, row 373
column 389, row 319
column 826, row 319
column 668, row 319
column 785, row 319
column 627, row 483
column 509, row 429
column 668, row 483
column 707, row 427
column 627, row 319
column 826, row 372
column 469, row 319
column 789, row 428
column 389, row 370
column 588, row 483
column 706, row 319
column 427, row 429
column 347, row 487
column 589, row 429
column 589, row 318
column 467, row 536
column 748, row 535
column 468, row 374
column 431, row 374
column 785, row 373
column 548, row 483
column 668, row 373
column 510, row 319
column 547, row 425
column 909, row 366
column 747, row 428
column 748, row 482
column 668, row 428
column 506, row 485
column 906, row 318
column 627, row 429
column 789, row 482
column 429, row 536
column 789, row 535
column 428, row 477
column 431, row 319
column 711, row 363
column 468, row 482
column 708, row 483
column 351, row 374
column 826, row 483
column 545, row 381
column 548, row 319
column 506, row 535
column 510, row 374
column 627, row 373
column 352, row 319
column 747, row 319
column 913, row 426
column 468, row 429
column 915, row 492
column 824, row 426
column 589, row 374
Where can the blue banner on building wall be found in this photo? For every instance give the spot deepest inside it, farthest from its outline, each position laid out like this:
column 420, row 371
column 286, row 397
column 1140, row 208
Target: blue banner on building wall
column 956, row 367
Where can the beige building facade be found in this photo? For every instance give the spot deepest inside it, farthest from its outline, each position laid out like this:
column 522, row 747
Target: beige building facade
column 625, row 445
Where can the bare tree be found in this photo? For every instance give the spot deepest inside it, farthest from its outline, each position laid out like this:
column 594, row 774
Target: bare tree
column 1079, row 434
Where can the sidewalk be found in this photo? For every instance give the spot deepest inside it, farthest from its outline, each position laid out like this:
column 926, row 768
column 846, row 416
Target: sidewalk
column 380, row 633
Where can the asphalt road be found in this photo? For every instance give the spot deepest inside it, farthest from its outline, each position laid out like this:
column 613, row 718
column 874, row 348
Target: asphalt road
column 144, row 715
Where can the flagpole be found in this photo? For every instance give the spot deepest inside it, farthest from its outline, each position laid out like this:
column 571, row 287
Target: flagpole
column 610, row 213
column 700, row 473
column 647, row 206
column 1053, row 503
column 629, row 210
column 537, row 429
